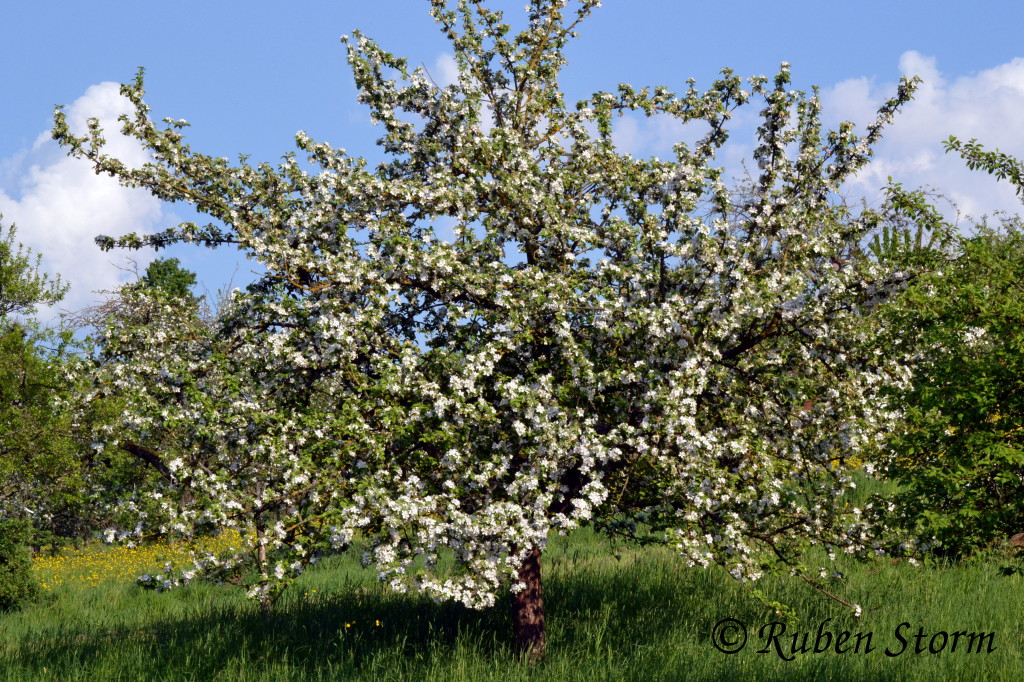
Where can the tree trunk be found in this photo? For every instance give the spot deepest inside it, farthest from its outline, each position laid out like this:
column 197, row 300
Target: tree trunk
column 528, row 609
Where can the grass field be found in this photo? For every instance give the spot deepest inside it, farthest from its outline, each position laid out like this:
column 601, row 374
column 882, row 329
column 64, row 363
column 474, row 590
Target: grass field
column 643, row 616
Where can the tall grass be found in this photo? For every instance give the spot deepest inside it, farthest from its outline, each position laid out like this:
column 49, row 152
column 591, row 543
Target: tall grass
column 641, row 616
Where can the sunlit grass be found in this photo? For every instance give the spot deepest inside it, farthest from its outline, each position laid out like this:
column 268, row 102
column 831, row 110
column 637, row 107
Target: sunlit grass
column 613, row 613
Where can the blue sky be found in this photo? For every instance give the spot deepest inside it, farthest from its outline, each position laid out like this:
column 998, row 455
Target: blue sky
column 248, row 75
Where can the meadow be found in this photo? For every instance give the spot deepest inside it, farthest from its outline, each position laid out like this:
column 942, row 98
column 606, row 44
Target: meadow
column 613, row 613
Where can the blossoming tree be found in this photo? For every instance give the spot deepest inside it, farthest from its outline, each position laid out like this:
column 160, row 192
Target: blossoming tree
column 598, row 338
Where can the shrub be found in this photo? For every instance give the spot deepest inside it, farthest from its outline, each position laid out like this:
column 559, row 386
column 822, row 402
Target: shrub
column 17, row 584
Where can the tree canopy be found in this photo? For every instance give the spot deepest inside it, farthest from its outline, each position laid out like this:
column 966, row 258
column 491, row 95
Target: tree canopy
column 167, row 276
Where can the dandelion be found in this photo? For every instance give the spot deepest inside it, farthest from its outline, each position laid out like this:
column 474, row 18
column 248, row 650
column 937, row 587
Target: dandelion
column 96, row 564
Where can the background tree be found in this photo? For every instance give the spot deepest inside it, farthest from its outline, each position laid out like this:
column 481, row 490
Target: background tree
column 603, row 337
column 22, row 286
column 237, row 428
column 167, row 276
column 39, row 473
column 960, row 454
column 117, row 463
column 912, row 233
column 38, row 463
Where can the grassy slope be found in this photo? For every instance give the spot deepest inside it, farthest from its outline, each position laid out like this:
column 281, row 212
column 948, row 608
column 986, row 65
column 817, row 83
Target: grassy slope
column 641, row 617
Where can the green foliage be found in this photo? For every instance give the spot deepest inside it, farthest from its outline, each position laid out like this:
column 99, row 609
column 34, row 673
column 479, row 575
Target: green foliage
column 17, row 584
column 22, row 287
column 1000, row 164
column 37, row 463
column 166, row 276
column 912, row 232
column 39, row 468
column 961, row 451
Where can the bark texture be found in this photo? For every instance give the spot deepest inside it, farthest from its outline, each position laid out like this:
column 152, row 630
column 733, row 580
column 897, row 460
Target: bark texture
column 528, row 609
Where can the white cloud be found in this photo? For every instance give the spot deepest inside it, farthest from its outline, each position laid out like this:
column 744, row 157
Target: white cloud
column 985, row 105
column 59, row 205
column 446, row 70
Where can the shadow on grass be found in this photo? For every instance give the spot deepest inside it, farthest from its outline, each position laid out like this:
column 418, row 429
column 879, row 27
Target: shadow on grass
column 644, row 617
column 343, row 630
column 603, row 608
